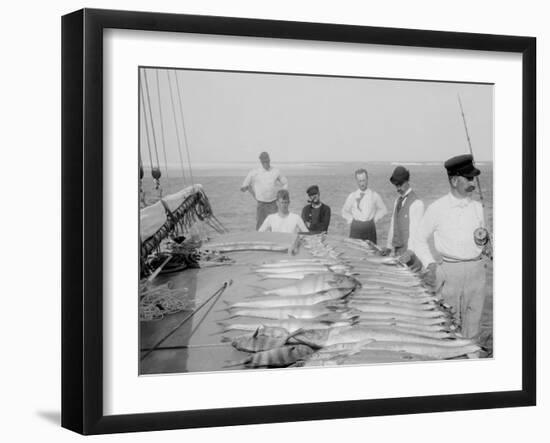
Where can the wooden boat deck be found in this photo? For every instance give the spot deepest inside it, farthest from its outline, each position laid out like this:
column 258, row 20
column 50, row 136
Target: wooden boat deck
column 197, row 345
column 201, row 334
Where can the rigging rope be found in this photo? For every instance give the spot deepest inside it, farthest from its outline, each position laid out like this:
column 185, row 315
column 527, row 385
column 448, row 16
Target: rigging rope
column 176, row 124
column 146, row 124
column 141, row 193
column 183, row 124
column 146, row 83
column 161, row 124
column 155, row 172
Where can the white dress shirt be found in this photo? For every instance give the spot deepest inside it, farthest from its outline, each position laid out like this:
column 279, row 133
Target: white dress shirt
column 265, row 183
column 368, row 207
column 452, row 221
column 291, row 223
column 416, row 211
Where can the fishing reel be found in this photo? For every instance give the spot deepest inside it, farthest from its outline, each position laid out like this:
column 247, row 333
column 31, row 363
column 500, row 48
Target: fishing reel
column 482, row 238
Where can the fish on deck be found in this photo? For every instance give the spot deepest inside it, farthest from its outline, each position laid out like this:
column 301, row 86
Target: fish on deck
column 274, row 358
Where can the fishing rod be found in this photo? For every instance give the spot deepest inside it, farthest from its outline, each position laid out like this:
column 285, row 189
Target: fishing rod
column 478, row 233
column 217, row 294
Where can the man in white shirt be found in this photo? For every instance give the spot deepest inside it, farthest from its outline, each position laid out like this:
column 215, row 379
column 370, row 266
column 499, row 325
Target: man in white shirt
column 363, row 208
column 283, row 220
column 459, row 276
column 263, row 183
column 407, row 213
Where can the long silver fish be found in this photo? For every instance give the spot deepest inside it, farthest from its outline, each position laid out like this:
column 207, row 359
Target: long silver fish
column 316, row 283
column 381, row 308
column 290, row 324
column 398, row 304
column 428, row 299
column 367, row 286
column 290, row 269
column 389, row 282
column 287, row 276
column 410, row 326
column 273, row 301
column 356, row 333
column 389, row 316
column 430, row 350
column 284, row 312
column 299, row 262
column 390, row 271
column 408, row 329
column 303, row 269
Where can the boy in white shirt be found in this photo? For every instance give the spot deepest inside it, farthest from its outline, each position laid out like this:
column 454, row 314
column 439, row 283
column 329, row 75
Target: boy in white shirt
column 283, row 220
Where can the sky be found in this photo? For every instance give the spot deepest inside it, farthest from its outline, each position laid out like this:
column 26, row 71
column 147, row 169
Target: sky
column 233, row 116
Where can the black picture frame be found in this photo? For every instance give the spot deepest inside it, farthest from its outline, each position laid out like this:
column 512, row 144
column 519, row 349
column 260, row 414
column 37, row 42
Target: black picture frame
column 82, row 220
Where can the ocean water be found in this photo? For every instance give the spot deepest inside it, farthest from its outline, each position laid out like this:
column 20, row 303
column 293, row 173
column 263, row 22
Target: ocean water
column 236, row 210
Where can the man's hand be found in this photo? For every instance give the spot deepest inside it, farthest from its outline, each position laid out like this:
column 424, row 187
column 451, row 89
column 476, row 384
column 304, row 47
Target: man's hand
column 410, row 259
column 430, row 276
column 385, row 251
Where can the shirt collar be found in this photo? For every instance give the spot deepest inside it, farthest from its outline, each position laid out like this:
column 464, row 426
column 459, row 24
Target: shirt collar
column 405, row 195
column 458, row 202
column 358, row 192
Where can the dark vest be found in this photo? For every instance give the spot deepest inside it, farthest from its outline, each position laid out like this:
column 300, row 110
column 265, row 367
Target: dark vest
column 401, row 222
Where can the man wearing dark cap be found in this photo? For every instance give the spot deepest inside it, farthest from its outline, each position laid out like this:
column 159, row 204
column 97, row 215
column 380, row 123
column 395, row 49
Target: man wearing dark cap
column 316, row 215
column 263, row 183
column 459, row 276
column 407, row 213
column 363, row 209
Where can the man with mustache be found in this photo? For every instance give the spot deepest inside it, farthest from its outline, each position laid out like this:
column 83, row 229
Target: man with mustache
column 407, row 213
column 459, row 275
column 316, row 215
column 363, row 209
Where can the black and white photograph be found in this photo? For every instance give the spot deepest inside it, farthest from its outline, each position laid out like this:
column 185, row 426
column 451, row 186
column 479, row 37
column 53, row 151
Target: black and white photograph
column 289, row 221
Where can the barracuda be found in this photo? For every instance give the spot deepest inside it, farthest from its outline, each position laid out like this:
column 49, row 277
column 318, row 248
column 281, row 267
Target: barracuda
column 358, row 333
column 390, row 316
column 433, row 351
column 296, row 300
column 284, row 312
column 384, row 296
column 379, row 308
column 316, row 283
column 291, row 324
column 396, row 303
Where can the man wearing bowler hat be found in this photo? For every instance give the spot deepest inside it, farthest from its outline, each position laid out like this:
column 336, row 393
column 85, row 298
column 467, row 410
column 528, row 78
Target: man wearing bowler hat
column 263, row 183
column 459, row 275
column 316, row 215
column 407, row 213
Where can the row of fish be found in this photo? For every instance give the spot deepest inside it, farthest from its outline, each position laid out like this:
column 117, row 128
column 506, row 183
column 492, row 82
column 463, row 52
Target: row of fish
column 339, row 311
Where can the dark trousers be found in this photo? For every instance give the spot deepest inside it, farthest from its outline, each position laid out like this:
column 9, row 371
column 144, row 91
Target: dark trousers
column 263, row 210
column 363, row 230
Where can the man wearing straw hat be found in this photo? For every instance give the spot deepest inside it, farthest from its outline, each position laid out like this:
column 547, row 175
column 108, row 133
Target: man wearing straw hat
column 263, row 183
column 455, row 221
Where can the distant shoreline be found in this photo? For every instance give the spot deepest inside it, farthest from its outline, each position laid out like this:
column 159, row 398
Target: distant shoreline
column 305, row 165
